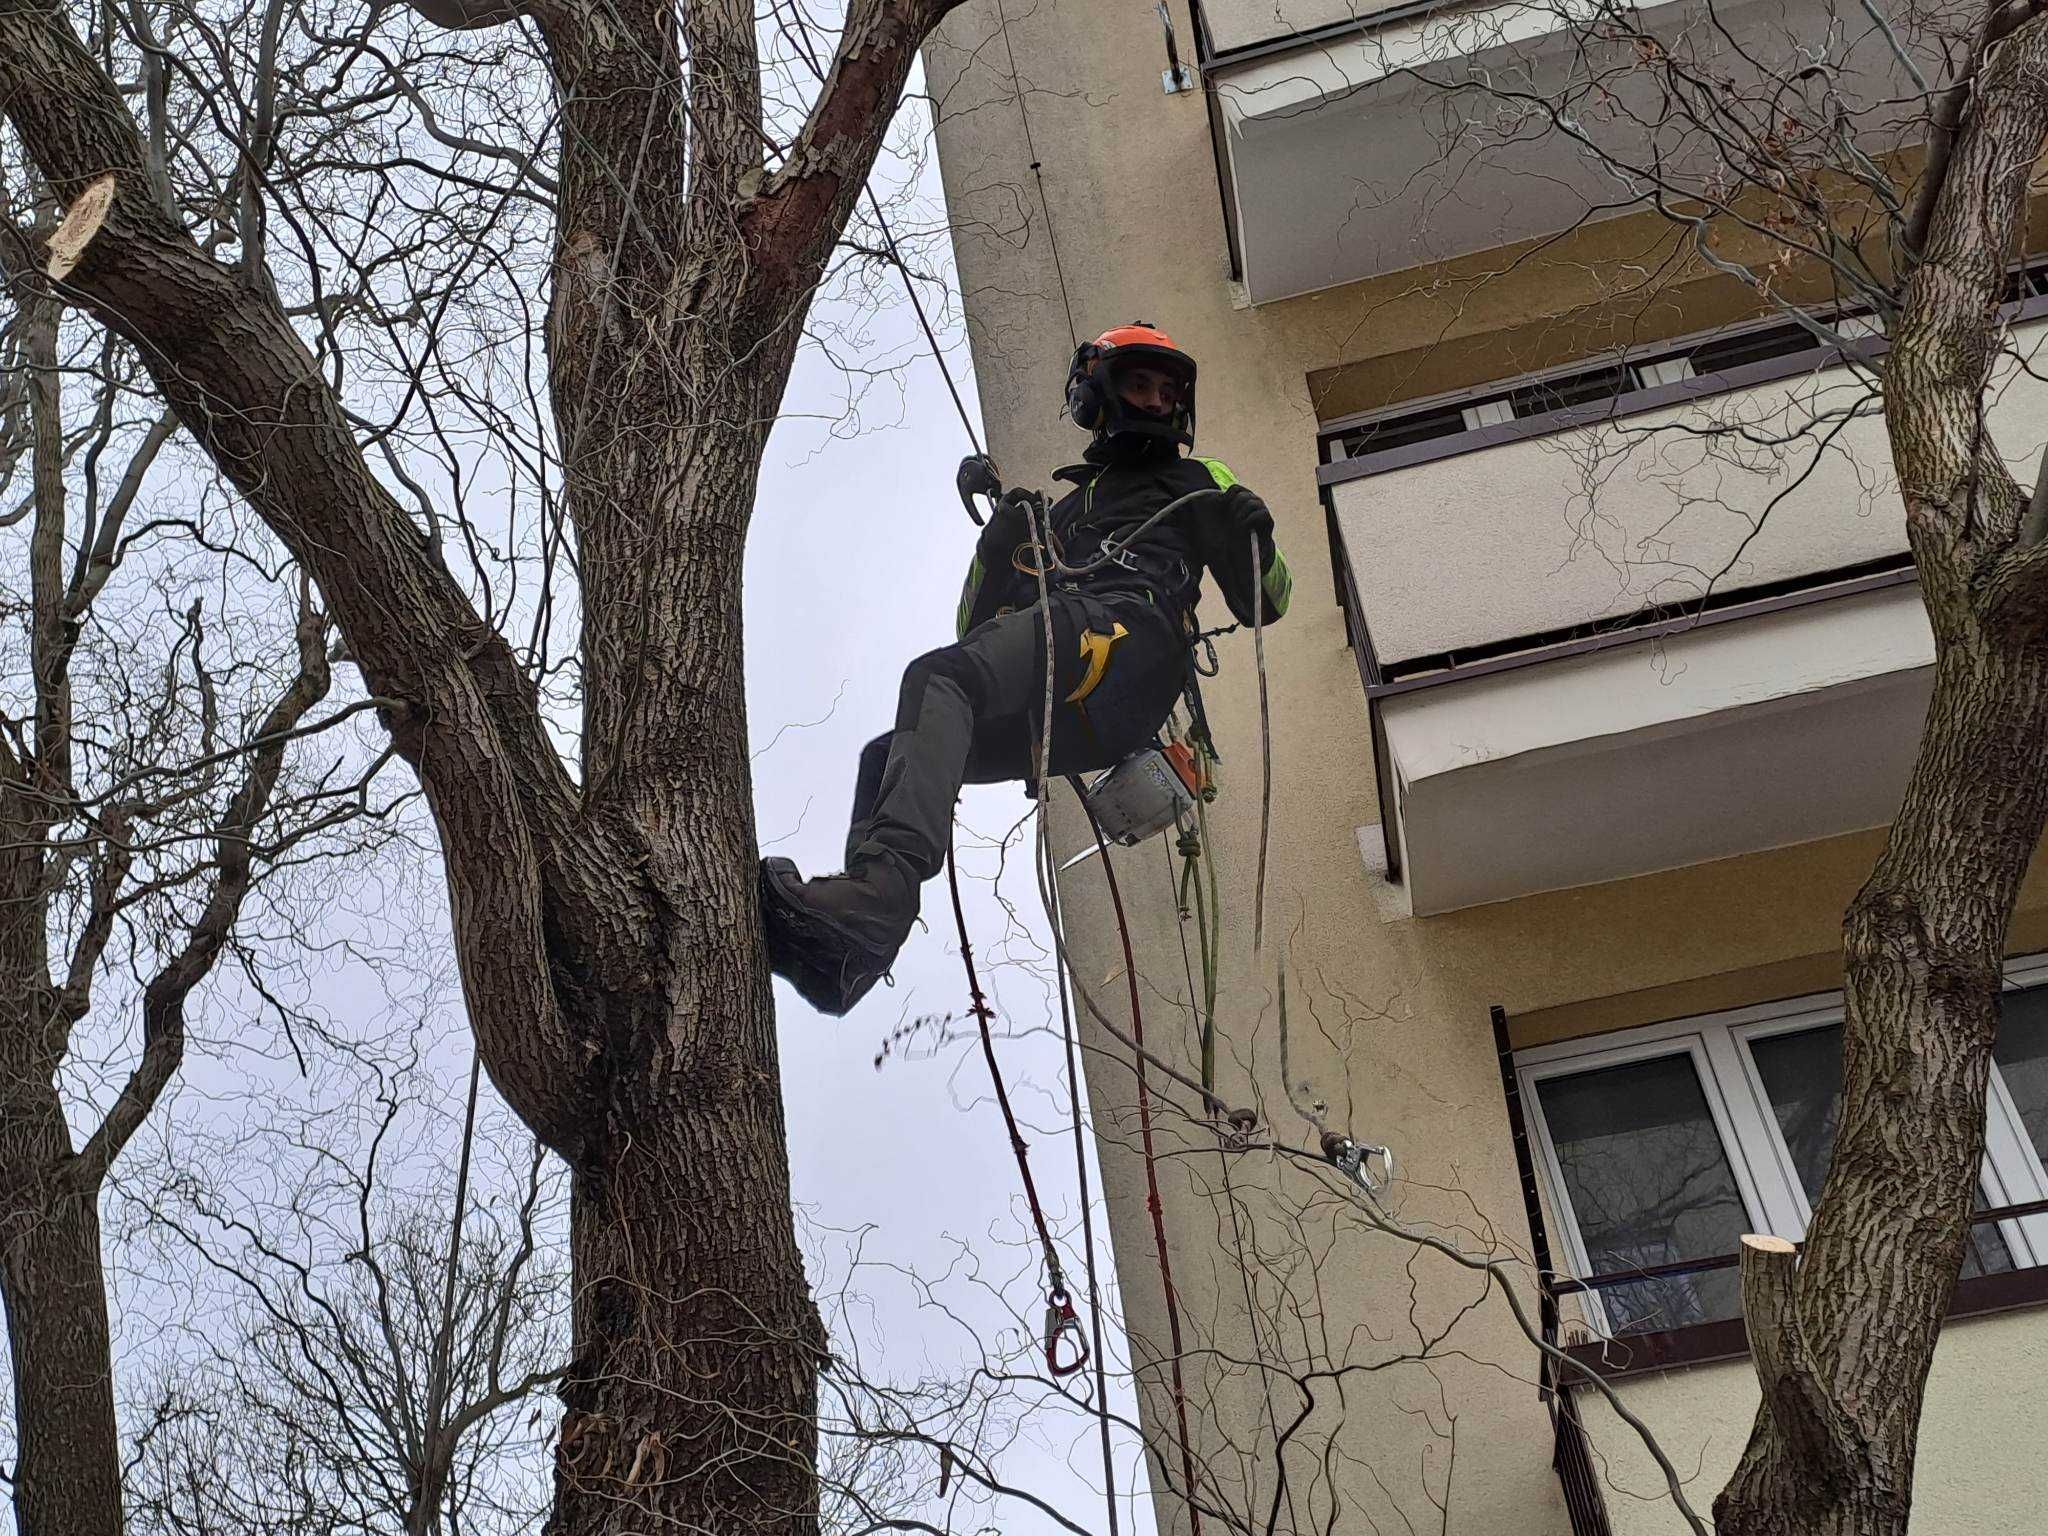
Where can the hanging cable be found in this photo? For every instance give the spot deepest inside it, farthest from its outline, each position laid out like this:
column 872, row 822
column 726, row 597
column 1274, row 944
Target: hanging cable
column 1038, row 172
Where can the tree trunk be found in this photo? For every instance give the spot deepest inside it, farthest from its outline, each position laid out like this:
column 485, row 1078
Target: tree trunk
column 692, row 1403
column 68, row 1472
column 1832, row 1453
column 607, row 928
column 1843, row 1348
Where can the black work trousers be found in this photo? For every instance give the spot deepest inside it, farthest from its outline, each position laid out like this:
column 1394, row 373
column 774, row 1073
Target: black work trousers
column 972, row 713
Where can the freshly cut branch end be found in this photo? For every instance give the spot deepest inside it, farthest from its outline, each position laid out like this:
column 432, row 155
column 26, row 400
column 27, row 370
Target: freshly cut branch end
column 1769, row 1265
column 81, row 222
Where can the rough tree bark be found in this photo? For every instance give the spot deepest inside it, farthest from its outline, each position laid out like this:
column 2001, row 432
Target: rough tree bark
column 606, row 922
column 1843, row 1344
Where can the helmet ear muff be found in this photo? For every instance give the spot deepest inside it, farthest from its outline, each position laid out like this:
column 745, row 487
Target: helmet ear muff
column 1085, row 398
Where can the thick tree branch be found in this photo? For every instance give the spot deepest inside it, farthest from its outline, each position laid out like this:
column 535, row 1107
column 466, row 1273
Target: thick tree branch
column 800, row 212
column 1792, row 1392
column 1946, row 115
column 1945, row 344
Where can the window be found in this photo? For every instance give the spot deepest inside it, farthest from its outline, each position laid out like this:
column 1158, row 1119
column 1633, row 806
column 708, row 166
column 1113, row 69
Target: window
column 1650, row 1184
column 1613, row 380
column 1801, row 1071
column 1722, row 353
column 1661, row 1146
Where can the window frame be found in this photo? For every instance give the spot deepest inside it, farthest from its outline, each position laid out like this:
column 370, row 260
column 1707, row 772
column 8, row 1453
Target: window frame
column 1718, row 1045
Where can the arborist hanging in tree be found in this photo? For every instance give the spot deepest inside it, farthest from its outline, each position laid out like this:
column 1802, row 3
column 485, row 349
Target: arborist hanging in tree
column 1122, row 580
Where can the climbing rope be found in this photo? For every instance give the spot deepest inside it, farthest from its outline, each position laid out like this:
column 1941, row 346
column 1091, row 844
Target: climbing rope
column 1067, row 1039
column 802, row 39
column 1061, row 1323
column 1152, row 1201
column 1031, row 149
column 1265, row 743
column 1033, row 510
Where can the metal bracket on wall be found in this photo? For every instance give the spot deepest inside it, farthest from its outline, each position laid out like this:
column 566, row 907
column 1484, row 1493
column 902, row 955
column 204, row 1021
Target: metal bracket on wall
column 1176, row 77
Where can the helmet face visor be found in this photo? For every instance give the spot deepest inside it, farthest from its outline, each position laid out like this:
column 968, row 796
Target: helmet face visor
column 1149, row 391
column 1147, row 386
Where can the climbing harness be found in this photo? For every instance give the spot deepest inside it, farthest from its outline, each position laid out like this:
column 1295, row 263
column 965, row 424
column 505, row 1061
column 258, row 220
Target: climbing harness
column 1155, row 787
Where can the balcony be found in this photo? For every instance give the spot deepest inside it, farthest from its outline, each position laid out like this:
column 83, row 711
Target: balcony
column 1350, row 144
column 1633, row 633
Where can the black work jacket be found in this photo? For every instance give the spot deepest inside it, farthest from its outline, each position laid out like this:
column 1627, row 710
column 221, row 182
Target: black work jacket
column 1114, row 493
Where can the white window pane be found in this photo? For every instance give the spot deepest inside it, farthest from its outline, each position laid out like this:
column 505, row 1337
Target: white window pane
column 1802, row 1077
column 1650, row 1184
column 1665, row 370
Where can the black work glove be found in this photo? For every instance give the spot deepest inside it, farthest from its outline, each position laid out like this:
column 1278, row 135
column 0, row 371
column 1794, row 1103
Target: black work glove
column 1007, row 528
column 1247, row 515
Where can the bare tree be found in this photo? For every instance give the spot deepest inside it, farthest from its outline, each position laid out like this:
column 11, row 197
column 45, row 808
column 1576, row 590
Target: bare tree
column 156, row 766
column 382, row 1346
column 605, row 914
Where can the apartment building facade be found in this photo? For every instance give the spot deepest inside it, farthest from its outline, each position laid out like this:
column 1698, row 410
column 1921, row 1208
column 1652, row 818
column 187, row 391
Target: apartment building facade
column 1603, row 676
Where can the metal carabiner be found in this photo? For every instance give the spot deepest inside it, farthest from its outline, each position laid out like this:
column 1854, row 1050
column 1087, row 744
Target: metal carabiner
column 1355, row 1159
column 1062, row 1323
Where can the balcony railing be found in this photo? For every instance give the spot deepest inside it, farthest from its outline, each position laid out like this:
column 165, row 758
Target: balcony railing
column 1745, row 544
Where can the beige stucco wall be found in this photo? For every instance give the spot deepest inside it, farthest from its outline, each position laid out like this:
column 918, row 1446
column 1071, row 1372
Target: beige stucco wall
column 1981, row 1471
column 1237, row 23
column 1388, row 1014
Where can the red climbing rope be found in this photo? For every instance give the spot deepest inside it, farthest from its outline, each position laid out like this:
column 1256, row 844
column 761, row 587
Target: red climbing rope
column 1062, row 1325
column 1180, row 1396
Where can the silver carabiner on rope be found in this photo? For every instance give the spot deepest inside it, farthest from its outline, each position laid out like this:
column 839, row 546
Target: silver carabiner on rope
column 1356, row 1160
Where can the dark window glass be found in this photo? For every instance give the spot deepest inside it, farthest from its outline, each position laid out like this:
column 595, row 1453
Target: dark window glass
column 1650, row 1184
column 1802, row 1074
column 1751, row 347
column 2022, row 1057
column 1573, row 389
column 1400, row 431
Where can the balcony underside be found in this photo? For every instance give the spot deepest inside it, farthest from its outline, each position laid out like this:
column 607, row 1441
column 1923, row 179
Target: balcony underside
column 1367, row 153
column 1701, row 745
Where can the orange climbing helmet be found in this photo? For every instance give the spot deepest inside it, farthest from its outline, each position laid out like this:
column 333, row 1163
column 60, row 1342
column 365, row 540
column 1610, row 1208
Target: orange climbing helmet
column 1095, row 385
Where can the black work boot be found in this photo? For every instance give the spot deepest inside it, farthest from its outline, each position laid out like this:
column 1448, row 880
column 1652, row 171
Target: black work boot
column 834, row 937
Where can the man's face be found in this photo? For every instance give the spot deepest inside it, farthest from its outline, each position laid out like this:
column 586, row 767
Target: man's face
column 1152, row 391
